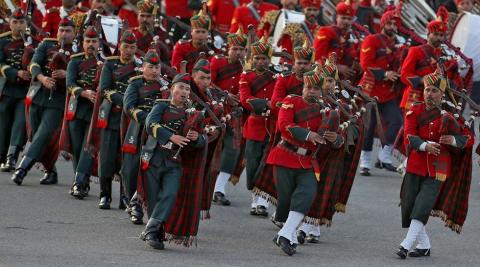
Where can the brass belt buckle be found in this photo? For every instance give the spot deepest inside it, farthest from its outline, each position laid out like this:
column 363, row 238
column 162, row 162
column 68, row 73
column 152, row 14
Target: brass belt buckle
column 302, row 151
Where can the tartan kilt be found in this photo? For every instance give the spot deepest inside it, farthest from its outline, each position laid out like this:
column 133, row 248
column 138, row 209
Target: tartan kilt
column 182, row 224
column 323, row 207
column 212, row 168
column 265, row 184
column 351, row 161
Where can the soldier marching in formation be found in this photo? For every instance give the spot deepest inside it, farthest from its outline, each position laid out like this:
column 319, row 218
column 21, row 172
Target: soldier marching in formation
column 177, row 120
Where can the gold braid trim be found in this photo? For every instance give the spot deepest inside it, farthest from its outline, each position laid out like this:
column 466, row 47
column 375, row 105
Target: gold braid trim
column 155, row 127
column 3, row 69
column 257, row 192
column 448, row 222
column 296, row 33
column 109, row 93
column 340, row 207
column 317, row 222
column 270, row 17
column 134, row 112
column 34, row 64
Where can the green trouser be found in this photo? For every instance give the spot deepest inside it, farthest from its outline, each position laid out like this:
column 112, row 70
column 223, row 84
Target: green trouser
column 12, row 121
column 109, row 150
column 82, row 160
column 45, row 122
column 296, row 189
column 253, row 155
column 230, row 155
column 419, row 195
column 129, row 173
column 162, row 186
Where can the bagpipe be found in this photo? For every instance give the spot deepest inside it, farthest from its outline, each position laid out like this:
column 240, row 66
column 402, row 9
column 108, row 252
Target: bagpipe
column 59, row 62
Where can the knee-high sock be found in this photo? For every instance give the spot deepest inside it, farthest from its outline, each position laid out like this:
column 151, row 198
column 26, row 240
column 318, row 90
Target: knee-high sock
column 423, row 240
column 366, row 159
column 254, row 200
column 289, row 229
column 412, row 234
column 385, row 154
column 262, row 202
column 222, row 180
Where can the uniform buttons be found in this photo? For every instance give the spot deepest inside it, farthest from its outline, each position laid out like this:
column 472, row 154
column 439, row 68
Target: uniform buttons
column 431, row 133
column 431, row 123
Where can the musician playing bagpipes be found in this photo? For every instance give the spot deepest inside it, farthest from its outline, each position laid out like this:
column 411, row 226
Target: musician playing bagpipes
column 116, row 72
column 225, row 74
column 287, row 83
column 190, row 50
column 380, row 60
column 343, row 40
column 172, row 167
column 16, row 51
column 211, row 100
column 256, row 89
column 142, row 93
column 83, row 72
column 335, row 168
column 149, row 29
column 422, row 60
column 299, row 120
column 439, row 167
column 45, row 103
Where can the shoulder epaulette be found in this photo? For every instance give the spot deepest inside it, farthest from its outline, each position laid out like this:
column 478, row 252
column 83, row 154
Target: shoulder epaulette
column 135, row 78
column 248, row 71
column 184, row 41
column 77, row 55
column 112, row 58
column 5, row 34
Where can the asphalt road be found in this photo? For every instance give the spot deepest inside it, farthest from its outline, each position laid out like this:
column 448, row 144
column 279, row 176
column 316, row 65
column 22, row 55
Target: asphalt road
column 44, row 226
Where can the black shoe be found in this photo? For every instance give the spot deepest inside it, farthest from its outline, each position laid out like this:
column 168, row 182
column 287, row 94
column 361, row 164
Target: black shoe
column 402, row 253
column 277, row 223
column 284, row 244
column 152, row 240
column 78, row 191
column 301, row 237
column 22, row 170
column 253, row 211
column 104, row 203
column 365, row 172
column 136, row 214
column 49, row 178
column 220, row 198
column 123, row 202
column 262, row 211
column 11, row 162
column 387, row 166
column 419, row 253
column 314, row 239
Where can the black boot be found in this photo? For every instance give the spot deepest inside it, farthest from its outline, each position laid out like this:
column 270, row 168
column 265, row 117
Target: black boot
column 79, row 188
column 12, row 156
column 22, row 170
column 151, row 234
column 50, row 177
column 105, row 193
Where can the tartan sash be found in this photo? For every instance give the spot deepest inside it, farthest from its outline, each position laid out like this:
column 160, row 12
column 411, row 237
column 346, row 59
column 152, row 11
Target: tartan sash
column 307, row 113
column 260, row 82
column 295, row 90
column 428, row 116
column 449, row 125
column 227, row 71
column 146, row 91
column 427, row 55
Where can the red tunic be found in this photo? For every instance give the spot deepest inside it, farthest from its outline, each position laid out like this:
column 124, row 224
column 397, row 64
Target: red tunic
column 252, row 86
column 286, row 84
column 420, row 61
column 52, row 19
column 224, row 74
column 295, row 112
column 332, row 39
column 127, row 14
column 184, row 50
column 222, row 11
column 378, row 52
column 179, row 8
column 243, row 16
